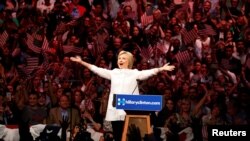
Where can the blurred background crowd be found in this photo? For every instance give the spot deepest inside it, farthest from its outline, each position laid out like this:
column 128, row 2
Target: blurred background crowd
column 208, row 41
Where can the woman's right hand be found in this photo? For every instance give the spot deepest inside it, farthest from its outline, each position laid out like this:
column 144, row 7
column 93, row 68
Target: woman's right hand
column 76, row 59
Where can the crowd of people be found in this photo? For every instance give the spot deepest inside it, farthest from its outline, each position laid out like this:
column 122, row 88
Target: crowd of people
column 208, row 42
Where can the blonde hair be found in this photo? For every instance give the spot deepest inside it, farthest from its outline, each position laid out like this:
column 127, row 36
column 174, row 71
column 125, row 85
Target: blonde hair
column 130, row 58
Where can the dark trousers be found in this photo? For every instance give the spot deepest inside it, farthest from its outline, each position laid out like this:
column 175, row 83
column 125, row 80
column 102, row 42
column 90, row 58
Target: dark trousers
column 117, row 129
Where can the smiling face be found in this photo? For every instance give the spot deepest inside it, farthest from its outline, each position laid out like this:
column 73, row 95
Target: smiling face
column 125, row 60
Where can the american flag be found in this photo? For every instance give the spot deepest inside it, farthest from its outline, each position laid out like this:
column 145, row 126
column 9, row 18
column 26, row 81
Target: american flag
column 45, row 45
column 71, row 48
column 45, row 66
column 38, row 37
column 31, row 64
column 146, row 20
column 31, row 45
column 97, row 50
column 208, row 30
column 146, row 52
column 3, row 38
column 183, row 57
column 161, row 47
column 184, row 7
column 62, row 27
column 188, row 36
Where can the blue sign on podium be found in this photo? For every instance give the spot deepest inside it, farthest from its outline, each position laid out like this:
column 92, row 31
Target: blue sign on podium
column 139, row 102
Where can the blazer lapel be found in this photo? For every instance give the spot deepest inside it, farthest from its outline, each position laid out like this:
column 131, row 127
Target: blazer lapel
column 59, row 115
column 70, row 114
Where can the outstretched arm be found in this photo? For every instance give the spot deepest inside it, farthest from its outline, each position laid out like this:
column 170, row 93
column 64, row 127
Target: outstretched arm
column 166, row 67
column 145, row 74
column 78, row 59
column 104, row 73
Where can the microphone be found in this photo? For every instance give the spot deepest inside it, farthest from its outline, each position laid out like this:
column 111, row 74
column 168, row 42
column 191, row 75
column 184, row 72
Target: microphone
column 137, row 80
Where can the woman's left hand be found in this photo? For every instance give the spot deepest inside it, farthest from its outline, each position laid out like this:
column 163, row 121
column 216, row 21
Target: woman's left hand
column 167, row 67
column 76, row 59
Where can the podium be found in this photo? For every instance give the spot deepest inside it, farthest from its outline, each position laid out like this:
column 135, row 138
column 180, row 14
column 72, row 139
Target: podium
column 137, row 108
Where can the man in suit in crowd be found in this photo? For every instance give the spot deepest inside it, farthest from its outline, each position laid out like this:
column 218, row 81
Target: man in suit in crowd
column 63, row 110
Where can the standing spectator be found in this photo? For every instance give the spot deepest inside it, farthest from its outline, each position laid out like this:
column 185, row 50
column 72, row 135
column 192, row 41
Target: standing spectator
column 167, row 111
column 229, row 62
column 215, row 117
column 138, row 37
column 6, row 114
column 179, row 121
column 33, row 113
column 241, row 52
column 64, row 111
column 109, row 57
column 77, row 99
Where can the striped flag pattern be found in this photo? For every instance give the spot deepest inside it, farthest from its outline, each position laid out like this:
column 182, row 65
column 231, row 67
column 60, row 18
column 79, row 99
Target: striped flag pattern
column 62, row 27
column 38, row 37
column 161, row 47
column 72, row 49
column 31, row 45
column 31, row 64
column 184, row 7
column 183, row 57
column 188, row 36
column 146, row 20
column 208, row 30
column 3, row 38
column 146, row 52
column 45, row 45
column 45, row 64
column 97, row 50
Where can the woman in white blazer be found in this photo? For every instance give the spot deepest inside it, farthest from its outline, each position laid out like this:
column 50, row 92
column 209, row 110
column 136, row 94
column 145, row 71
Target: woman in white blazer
column 123, row 81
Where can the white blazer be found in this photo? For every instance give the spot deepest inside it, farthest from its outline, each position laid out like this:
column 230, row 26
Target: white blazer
column 123, row 81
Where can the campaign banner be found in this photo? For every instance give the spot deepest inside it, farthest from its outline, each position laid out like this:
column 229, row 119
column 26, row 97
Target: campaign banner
column 139, row 102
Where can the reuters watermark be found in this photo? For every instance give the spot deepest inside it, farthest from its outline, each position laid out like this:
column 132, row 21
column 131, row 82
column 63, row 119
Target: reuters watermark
column 229, row 131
